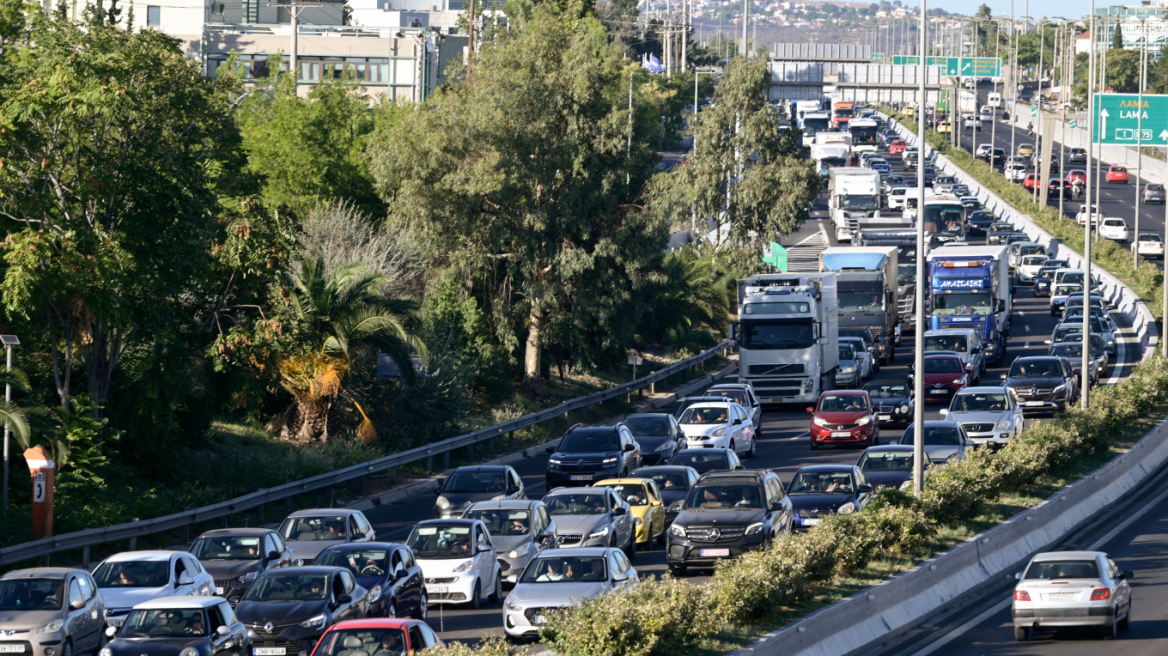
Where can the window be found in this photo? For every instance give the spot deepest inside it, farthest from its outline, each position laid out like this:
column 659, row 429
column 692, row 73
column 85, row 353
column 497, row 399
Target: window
column 397, row 562
column 483, row 539
column 179, row 568
column 226, row 612
column 86, row 585
column 417, row 642
column 191, row 566
column 428, row 635
column 348, row 582
column 215, row 617
column 362, row 524
column 75, row 594
column 277, row 541
column 153, row 16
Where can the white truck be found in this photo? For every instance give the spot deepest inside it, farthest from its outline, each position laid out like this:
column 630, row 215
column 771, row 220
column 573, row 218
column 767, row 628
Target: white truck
column 854, row 201
column 788, row 335
column 812, row 123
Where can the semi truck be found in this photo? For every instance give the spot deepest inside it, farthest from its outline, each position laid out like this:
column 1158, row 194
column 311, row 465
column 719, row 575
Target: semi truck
column 866, row 280
column 814, row 123
column 788, row 335
column 944, row 218
column 841, row 113
column 970, row 288
column 854, row 202
column 905, row 242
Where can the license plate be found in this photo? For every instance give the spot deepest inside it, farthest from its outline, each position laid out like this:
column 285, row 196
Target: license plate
column 269, row 651
column 218, row 589
column 841, row 434
column 1032, row 403
column 437, row 589
column 582, row 477
column 884, row 417
column 776, row 399
column 937, row 391
column 811, row 522
column 540, row 619
column 715, row 553
column 115, row 621
column 1060, row 596
column 11, row 649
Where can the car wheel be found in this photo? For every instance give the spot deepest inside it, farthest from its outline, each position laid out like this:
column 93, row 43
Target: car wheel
column 476, row 601
column 1021, row 633
column 814, row 446
column 753, row 447
column 423, row 606
column 733, row 447
column 1112, row 630
column 497, row 595
column 391, row 609
column 1125, row 623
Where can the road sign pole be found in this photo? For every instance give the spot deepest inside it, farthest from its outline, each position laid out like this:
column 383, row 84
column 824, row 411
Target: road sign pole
column 1139, row 148
column 919, row 301
column 1085, row 387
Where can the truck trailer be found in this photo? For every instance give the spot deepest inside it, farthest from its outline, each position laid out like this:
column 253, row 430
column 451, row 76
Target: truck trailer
column 866, row 287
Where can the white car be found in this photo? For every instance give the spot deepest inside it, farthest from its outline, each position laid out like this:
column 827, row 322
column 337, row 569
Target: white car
column 1071, row 588
column 133, row 577
column 1016, row 172
column 458, row 561
column 983, row 150
column 718, row 425
column 562, row 578
column 1081, row 215
column 986, row 117
column 1029, row 266
column 989, row 415
column 896, row 197
column 1113, row 228
column 970, row 122
column 1149, row 244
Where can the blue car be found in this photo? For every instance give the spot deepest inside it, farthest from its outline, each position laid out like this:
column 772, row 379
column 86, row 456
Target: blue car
column 388, row 571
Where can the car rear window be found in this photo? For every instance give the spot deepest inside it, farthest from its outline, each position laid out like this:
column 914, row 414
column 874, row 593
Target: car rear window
column 1062, row 569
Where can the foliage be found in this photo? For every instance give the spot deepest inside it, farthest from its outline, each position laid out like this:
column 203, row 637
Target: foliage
column 455, row 319
column 340, row 234
column 695, row 301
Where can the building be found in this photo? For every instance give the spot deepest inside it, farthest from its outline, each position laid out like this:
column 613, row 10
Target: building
column 1151, row 18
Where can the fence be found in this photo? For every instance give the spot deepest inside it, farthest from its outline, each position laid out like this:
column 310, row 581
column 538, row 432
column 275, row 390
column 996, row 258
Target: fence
column 221, row 511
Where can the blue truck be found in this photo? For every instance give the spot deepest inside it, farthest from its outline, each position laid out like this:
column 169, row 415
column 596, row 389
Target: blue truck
column 970, row 287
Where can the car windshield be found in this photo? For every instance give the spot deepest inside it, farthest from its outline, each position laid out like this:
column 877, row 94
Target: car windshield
column 1114, row 223
column 847, row 352
column 470, row 481
column 1033, row 260
column 1070, row 350
column 667, row 481
column 581, row 503
column 886, row 461
column 737, row 396
column 794, row 333
column 1155, row 238
column 576, row 442
column 1047, row 273
column 843, row 403
column 1064, row 290
column 634, row 494
column 886, row 391
column 721, row 496
column 277, row 586
column 133, row 574
column 314, row 529
column 699, row 460
column 227, row 548
column 1062, row 569
column 963, row 303
column 31, row 594
column 165, row 623
column 946, row 343
column 361, row 562
column 503, row 521
column 560, row 569
column 934, row 436
column 821, row 483
column 1072, row 277
column 980, row 402
column 981, row 215
column 943, row 366
column 702, row 416
column 1036, row 369
column 648, row 426
column 441, row 541
column 363, row 642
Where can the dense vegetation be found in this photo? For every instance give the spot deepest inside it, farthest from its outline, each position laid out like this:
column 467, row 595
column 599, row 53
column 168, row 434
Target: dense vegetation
column 203, row 272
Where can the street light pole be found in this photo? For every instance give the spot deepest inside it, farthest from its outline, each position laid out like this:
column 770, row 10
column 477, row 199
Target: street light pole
column 919, row 351
column 9, row 341
column 1086, row 383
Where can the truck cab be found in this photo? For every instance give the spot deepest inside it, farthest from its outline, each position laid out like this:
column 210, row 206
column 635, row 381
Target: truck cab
column 866, row 285
column 970, row 288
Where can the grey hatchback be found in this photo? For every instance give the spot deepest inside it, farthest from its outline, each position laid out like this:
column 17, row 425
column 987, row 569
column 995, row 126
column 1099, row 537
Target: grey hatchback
column 50, row 611
column 1154, row 193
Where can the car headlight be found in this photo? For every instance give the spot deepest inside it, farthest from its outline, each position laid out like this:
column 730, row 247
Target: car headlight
column 1003, row 425
column 105, row 651
column 903, row 408
column 314, row 623
column 719, row 432
column 677, row 530
column 249, row 577
column 189, row 651
column 52, row 627
column 609, row 462
column 959, row 381
column 464, row 567
column 554, row 463
column 864, row 421
column 846, row 509
column 443, row 502
column 598, row 534
column 1060, row 388
column 375, row 594
column 819, row 421
column 511, row 605
column 665, row 446
column 848, row 370
column 637, row 521
column 754, row 528
column 521, row 551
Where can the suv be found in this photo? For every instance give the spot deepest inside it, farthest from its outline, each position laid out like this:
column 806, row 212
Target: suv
column 726, row 514
column 587, row 454
column 1077, row 156
column 1042, row 384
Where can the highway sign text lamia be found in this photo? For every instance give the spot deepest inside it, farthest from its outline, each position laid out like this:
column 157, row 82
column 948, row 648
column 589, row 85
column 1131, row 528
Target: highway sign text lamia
column 1123, row 118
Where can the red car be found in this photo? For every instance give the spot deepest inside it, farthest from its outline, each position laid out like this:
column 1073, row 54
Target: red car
column 1030, row 181
column 393, row 636
column 1117, row 174
column 897, row 147
column 1077, row 174
column 844, row 417
column 944, row 377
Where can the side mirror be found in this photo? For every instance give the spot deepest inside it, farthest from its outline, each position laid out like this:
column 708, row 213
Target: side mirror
column 275, row 555
column 1046, row 341
column 944, row 412
column 1018, row 576
column 344, row 599
column 401, row 574
column 865, row 489
column 551, row 449
column 655, row 504
column 620, row 578
column 1127, row 574
column 618, row 511
column 184, row 579
column 1003, row 376
column 487, row 548
column 630, row 447
column 111, row 631
column 969, row 368
column 223, row 631
column 77, row 604
column 737, row 421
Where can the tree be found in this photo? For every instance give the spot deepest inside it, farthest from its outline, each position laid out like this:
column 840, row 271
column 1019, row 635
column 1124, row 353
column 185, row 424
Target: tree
column 1117, row 38
column 1123, row 70
column 521, row 181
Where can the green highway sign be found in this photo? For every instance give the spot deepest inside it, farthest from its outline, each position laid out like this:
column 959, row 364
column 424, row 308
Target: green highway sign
column 956, row 66
column 877, row 57
column 1073, row 124
column 1120, row 116
column 1033, row 111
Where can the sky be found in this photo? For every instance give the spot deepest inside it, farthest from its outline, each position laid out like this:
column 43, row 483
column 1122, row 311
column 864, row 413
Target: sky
column 1038, row 8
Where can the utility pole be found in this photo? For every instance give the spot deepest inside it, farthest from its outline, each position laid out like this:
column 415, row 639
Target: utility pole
column 1087, row 361
column 294, row 8
column 1038, row 134
column 1099, row 158
column 1140, row 140
column 919, row 309
column 684, row 35
column 1014, row 86
column 1062, row 63
column 745, row 27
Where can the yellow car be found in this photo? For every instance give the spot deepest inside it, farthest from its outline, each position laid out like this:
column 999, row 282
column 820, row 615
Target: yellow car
column 943, row 127
column 1026, row 150
column 645, row 502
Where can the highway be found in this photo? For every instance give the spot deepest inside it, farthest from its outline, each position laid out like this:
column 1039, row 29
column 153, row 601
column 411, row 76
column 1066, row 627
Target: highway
column 784, row 447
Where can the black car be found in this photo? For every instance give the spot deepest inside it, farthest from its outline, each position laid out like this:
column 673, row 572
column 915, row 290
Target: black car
column 236, row 556
column 674, row 482
column 180, row 626
column 999, row 155
column 1059, row 187
column 888, row 466
column 290, row 608
column 1045, row 277
column 658, row 434
column 725, row 515
column 707, row 460
column 388, row 571
column 818, row 490
column 979, row 222
column 467, row 485
column 996, row 234
column 1042, row 385
column 593, row 453
column 893, row 402
column 1077, row 156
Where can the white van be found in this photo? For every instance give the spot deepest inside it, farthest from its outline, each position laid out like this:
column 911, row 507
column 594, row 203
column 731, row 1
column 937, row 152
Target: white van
column 995, row 100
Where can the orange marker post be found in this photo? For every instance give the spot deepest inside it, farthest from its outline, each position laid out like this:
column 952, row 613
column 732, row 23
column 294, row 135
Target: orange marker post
column 43, row 471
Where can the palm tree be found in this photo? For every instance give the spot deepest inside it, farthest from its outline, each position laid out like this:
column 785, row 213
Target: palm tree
column 336, row 313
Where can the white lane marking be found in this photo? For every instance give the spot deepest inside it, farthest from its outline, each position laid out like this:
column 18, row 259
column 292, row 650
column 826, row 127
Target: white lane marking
column 813, row 238
column 1119, row 361
column 799, row 437
column 1021, row 313
column 823, row 231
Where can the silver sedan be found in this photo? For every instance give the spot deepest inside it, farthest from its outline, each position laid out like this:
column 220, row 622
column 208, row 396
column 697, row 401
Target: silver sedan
column 561, row 578
column 1071, row 588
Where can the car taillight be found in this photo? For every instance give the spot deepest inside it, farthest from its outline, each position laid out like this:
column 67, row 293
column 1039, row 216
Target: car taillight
column 1021, row 595
column 1099, row 594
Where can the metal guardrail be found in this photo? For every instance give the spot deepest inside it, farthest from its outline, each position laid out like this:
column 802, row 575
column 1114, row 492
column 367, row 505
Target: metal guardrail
column 98, row 536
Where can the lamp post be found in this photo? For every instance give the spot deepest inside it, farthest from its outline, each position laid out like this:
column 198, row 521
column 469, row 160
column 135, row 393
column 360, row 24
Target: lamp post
column 919, row 301
column 1086, row 383
column 9, row 341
